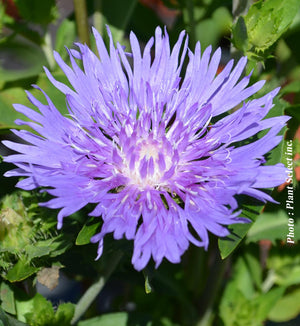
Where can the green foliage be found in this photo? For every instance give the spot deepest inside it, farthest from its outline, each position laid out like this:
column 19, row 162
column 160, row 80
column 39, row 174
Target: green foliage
column 42, row 313
column 241, row 304
column 272, row 226
column 210, row 29
column 39, row 12
column 27, row 237
column 7, row 298
column 284, row 265
column 238, row 231
column 287, row 307
column 107, row 320
column 240, row 35
column 65, row 37
column 262, row 26
column 17, row 95
column 87, row 231
column 20, row 60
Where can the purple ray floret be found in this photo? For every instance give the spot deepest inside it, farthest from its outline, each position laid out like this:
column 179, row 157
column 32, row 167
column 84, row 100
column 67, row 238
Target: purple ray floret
column 139, row 143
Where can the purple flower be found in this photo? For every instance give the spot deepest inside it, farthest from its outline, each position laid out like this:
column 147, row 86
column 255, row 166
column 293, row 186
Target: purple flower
column 138, row 142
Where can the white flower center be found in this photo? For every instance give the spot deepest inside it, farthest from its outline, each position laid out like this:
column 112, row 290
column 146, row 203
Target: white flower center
column 147, row 163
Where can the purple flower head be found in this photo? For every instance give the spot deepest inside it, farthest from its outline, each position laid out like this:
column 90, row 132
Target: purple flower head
column 138, row 142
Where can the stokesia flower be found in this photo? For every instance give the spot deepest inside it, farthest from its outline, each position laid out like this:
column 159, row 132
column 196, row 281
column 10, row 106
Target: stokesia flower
column 139, row 143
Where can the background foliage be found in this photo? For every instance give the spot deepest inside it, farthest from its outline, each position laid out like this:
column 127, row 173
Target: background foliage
column 250, row 278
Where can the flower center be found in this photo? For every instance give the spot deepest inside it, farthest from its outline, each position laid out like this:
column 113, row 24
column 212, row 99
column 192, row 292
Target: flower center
column 147, row 163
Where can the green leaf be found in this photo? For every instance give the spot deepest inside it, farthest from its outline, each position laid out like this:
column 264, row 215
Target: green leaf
column 14, row 95
column 113, row 319
column 209, row 30
column 275, row 156
column 20, row 60
column 293, row 87
column 239, row 35
column 59, row 245
column 40, row 12
column 284, row 262
column 267, row 301
column 64, row 314
column 143, row 21
column 37, row 250
column 294, row 111
column 272, row 226
column 42, row 312
column 20, row 271
column 267, row 20
column 241, row 305
column 87, row 231
column 238, row 231
column 286, row 308
column 228, row 244
column 65, row 36
column 7, row 320
column 7, row 298
column 235, row 309
column 15, row 322
column 3, row 318
column 118, row 19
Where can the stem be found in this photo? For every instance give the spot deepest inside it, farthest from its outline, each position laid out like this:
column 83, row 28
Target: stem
column 92, row 292
column 269, row 281
column 82, row 21
column 212, row 289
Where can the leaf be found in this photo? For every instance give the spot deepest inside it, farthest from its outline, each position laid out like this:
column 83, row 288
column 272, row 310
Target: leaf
column 3, row 318
column 271, row 226
column 294, row 111
column 276, row 154
column 241, row 305
column 20, row 271
column 286, row 308
column 143, row 21
column 267, row 20
column 284, row 262
column 36, row 250
column 65, row 37
column 87, row 231
column 14, row 95
column 235, row 309
column 209, row 30
column 118, row 19
column 238, row 231
column 7, row 298
column 239, row 35
column 64, row 314
column 42, row 312
column 267, row 301
column 293, row 87
column 20, row 60
column 228, row 244
column 113, row 319
column 59, row 245
column 40, row 12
